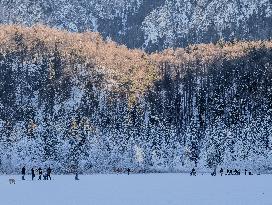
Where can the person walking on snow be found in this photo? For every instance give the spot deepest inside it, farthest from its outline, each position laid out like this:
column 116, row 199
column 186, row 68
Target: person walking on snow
column 49, row 170
column 23, row 173
column 214, row 172
column 193, row 172
column 40, row 173
column 32, row 173
column 221, row 171
column 76, row 177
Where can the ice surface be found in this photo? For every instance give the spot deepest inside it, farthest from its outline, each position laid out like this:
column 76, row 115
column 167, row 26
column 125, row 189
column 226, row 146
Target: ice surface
column 145, row 189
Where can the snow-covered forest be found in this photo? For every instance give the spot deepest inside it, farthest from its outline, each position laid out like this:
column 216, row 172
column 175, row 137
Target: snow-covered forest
column 78, row 103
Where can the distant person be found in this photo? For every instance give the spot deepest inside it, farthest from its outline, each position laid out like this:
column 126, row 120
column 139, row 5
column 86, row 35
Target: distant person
column 45, row 176
column 23, row 173
column 193, row 172
column 40, row 173
column 236, row 172
column 214, row 172
column 221, row 171
column 245, row 172
column 49, row 170
column 76, row 177
column 128, row 171
column 32, row 174
column 230, row 172
column 227, row 172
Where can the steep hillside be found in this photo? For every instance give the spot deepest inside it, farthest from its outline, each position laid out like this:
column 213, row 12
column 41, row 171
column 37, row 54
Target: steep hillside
column 152, row 25
column 80, row 103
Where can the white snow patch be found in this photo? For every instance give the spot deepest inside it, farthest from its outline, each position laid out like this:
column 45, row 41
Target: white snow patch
column 146, row 189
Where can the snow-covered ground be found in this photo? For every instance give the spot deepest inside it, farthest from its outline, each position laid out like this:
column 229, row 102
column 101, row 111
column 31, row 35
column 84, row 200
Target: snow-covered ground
column 142, row 189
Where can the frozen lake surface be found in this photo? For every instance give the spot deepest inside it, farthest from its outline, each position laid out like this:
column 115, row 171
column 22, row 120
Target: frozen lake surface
column 139, row 189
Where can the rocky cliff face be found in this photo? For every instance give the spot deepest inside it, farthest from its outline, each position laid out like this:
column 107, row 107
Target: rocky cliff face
column 148, row 24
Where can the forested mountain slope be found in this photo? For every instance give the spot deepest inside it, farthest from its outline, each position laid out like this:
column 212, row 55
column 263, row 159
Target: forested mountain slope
column 77, row 102
column 149, row 24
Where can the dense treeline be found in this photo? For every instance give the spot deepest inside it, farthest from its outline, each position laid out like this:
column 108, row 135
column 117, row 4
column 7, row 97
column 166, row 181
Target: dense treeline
column 78, row 103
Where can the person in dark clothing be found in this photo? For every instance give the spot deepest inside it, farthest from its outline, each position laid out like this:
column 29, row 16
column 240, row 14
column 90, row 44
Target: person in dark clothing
column 245, row 172
column 32, row 173
column 49, row 170
column 76, row 177
column 23, row 173
column 40, row 173
column 236, row 172
column 214, row 172
column 45, row 176
column 193, row 172
column 221, row 171
column 230, row 172
column 128, row 171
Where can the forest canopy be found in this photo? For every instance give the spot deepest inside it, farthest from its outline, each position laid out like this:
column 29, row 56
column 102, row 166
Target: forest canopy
column 79, row 102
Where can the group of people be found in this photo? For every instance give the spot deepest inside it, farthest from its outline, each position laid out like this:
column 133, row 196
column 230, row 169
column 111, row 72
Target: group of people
column 228, row 172
column 121, row 170
column 46, row 175
column 234, row 172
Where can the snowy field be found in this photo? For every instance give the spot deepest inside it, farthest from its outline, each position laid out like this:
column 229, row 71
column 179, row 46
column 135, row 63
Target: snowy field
column 142, row 189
